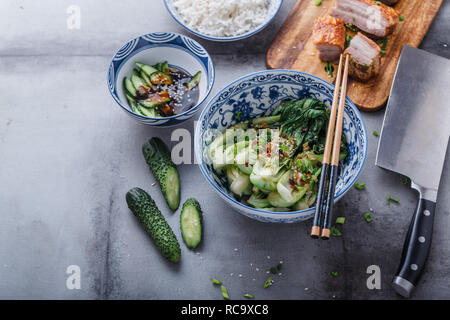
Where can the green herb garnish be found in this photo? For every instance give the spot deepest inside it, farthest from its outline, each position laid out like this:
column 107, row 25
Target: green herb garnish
column 375, row 133
column 268, row 282
column 348, row 39
column 249, row 296
column 350, row 27
column 335, row 232
column 215, row 281
column 368, row 217
column 383, row 43
column 389, row 199
column 378, row 3
column 340, row 220
column 329, row 69
column 318, row 2
column 404, row 180
column 401, row 18
column 334, row 273
column 225, row 292
column 360, row 186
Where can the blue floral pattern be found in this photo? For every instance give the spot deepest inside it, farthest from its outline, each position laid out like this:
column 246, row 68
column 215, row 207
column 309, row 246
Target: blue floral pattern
column 258, row 94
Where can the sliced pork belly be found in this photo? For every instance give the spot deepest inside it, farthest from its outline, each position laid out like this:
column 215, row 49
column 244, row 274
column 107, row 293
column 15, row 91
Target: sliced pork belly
column 365, row 57
column 329, row 37
column 378, row 20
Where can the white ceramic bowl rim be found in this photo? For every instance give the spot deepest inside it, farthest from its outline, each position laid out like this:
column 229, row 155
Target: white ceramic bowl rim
column 209, row 87
column 239, row 37
column 260, row 211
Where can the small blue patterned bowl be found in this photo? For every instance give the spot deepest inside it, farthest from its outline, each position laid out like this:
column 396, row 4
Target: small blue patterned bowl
column 258, row 94
column 180, row 51
column 274, row 7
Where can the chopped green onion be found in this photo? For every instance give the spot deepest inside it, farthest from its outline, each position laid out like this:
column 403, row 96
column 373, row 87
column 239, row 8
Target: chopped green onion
column 404, row 179
column 268, row 282
column 224, row 292
column 249, row 296
column 215, row 281
column 375, row 133
column 350, row 27
column 401, row 18
column 335, row 232
column 329, row 69
column 368, row 217
column 360, row 186
column 389, row 199
column 348, row 39
column 383, row 43
column 334, row 273
column 340, row 220
column 318, row 2
column 378, row 3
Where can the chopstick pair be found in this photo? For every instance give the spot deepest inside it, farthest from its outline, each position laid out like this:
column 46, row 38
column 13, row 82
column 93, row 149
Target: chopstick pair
column 325, row 195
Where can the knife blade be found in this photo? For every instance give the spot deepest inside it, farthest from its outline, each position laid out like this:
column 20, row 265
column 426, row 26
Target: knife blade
column 413, row 142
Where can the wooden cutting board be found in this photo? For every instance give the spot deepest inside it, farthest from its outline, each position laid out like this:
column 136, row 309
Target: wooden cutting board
column 292, row 48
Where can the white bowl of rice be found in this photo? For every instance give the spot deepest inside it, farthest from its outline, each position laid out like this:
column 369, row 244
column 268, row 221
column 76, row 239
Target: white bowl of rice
column 223, row 20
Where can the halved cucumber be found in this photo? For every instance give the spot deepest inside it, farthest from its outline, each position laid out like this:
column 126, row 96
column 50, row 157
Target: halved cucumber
column 129, row 87
column 134, row 106
column 191, row 223
column 156, row 100
column 146, row 78
column 194, row 81
column 137, row 81
column 146, row 68
column 163, row 67
column 160, row 78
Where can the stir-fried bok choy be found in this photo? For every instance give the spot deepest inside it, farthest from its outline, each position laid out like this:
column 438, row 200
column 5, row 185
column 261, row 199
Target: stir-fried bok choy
column 274, row 162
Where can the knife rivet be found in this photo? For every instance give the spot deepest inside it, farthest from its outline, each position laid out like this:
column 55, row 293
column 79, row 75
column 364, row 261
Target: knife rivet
column 414, row 267
column 427, row 212
column 421, row 239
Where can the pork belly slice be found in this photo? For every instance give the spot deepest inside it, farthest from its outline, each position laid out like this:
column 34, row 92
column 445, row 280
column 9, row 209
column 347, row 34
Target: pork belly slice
column 378, row 20
column 365, row 57
column 329, row 37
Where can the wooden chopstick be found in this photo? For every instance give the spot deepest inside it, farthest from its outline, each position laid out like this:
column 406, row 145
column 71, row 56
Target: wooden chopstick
column 315, row 230
column 329, row 205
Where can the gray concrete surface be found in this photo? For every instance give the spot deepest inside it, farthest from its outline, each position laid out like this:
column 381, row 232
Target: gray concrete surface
column 68, row 155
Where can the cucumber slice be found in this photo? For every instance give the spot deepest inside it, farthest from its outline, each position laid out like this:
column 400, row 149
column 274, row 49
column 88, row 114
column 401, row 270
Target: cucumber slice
column 134, row 106
column 129, row 87
column 191, row 223
column 156, row 100
column 146, row 78
column 160, row 78
column 137, row 81
column 194, row 81
column 146, row 68
column 165, row 67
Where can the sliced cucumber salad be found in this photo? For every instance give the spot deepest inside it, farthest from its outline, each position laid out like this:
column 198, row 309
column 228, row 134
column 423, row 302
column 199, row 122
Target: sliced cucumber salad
column 274, row 162
column 160, row 90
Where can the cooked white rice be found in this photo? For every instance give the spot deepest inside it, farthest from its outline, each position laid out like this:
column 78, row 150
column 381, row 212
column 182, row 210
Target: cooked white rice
column 224, row 18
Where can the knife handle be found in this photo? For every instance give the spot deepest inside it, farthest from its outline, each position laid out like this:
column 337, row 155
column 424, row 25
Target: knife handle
column 416, row 248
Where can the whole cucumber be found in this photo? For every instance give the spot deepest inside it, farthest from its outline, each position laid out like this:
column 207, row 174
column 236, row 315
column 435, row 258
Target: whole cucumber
column 148, row 214
column 160, row 162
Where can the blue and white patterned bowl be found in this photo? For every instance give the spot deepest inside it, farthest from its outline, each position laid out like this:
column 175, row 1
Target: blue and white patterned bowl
column 180, row 51
column 275, row 6
column 258, row 94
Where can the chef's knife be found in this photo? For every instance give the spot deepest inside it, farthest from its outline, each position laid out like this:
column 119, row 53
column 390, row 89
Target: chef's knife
column 414, row 142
